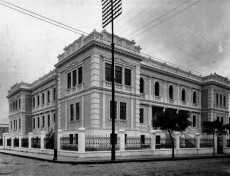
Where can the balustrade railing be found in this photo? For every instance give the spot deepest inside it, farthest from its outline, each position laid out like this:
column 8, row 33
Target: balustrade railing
column 136, row 143
column 206, row 143
column 68, row 143
column 25, row 142
column 99, row 143
column 165, row 143
column 187, row 141
column 16, row 142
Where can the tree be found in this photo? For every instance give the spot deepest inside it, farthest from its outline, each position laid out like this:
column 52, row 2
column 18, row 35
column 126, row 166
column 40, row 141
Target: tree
column 171, row 121
column 214, row 128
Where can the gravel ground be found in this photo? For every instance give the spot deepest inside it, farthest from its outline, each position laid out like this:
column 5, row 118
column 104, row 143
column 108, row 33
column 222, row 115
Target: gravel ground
column 12, row 165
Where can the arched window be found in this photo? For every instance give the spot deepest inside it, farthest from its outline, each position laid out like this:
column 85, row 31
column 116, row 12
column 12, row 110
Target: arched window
column 194, row 97
column 157, row 89
column 141, row 85
column 183, row 95
column 171, row 92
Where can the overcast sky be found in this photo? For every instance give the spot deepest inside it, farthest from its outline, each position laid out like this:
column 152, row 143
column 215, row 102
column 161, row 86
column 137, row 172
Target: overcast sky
column 190, row 33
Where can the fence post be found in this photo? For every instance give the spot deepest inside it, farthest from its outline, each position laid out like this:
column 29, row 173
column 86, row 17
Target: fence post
column 215, row 144
column 177, row 137
column 20, row 140
column 81, row 140
column 5, row 139
column 153, row 139
column 59, row 139
column 197, row 136
column 29, row 139
column 122, row 139
column 42, row 140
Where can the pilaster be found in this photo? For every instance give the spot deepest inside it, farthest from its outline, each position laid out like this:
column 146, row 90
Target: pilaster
column 95, row 70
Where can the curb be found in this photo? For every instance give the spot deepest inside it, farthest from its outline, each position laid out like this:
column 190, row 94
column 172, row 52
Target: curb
column 118, row 160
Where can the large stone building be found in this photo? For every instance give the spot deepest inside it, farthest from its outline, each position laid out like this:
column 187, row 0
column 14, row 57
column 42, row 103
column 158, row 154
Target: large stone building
column 144, row 87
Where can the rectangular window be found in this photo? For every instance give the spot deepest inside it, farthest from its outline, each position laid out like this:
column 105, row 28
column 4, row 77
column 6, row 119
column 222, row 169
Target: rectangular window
column 222, row 120
column 123, row 111
column 43, row 121
column 71, row 138
column 141, row 115
column 54, row 94
column 158, row 139
column 194, row 121
column 74, row 77
column 71, row 112
column 127, row 77
column 38, row 100
column 11, row 126
column 125, row 138
column 79, row 75
column 217, row 99
column 43, row 98
column 220, row 100
column 118, row 75
column 218, row 119
column 68, row 80
column 19, row 103
column 48, row 120
column 16, row 104
column 142, row 139
column 19, row 123
column 33, row 101
column 115, row 109
column 76, row 138
column 77, row 111
column 224, row 101
column 108, row 76
column 48, row 96
column 38, row 122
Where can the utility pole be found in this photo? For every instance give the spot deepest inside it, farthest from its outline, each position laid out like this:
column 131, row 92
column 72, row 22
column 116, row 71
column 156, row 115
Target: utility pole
column 111, row 9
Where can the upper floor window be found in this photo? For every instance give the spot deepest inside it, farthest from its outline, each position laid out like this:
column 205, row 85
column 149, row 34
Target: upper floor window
column 74, row 77
column 33, row 101
column 108, row 76
column 224, row 100
column 68, row 80
column 183, row 95
column 38, row 101
column 220, row 100
column 48, row 119
column 127, row 77
column 171, row 92
column 77, row 111
column 79, row 75
column 38, row 122
column 157, row 89
column 217, row 99
column 43, row 98
column 54, row 93
column 194, row 97
column 19, row 103
column 194, row 121
column 43, row 121
column 19, row 123
column 123, row 111
column 48, row 96
column 118, row 74
column 33, row 123
column 71, row 112
column 141, row 85
column 141, row 115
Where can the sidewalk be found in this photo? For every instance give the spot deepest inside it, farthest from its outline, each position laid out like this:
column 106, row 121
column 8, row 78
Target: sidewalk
column 107, row 160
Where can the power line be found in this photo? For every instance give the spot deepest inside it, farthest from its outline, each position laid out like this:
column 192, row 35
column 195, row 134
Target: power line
column 43, row 16
column 41, row 19
column 159, row 17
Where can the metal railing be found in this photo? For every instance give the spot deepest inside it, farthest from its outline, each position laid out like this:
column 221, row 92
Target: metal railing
column 165, row 143
column 206, row 143
column 135, row 143
column 8, row 142
column 187, row 141
column 25, row 142
column 35, row 142
column 99, row 143
column 68, row 143
column 16, row 142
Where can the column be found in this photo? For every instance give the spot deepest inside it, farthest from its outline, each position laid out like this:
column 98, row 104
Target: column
column 95, row 70
column 153, row 139
column 122, row 139
column 224, row 141
column 197, row 136
column 95, row 110
column 60, row 133
column 20, row 140
column 82, row 111
column 177, row 138
column 150, row 88
column 165, row 91
column 81, row 140
column 215, row 145
column 30, row 135
column 12, row 141
column 42, row 139
column 150, row 117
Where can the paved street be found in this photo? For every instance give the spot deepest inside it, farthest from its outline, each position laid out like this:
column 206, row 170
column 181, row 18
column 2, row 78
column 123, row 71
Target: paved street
column 12, row 165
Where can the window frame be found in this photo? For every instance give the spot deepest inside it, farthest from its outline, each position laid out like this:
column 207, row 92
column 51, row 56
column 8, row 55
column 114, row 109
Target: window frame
column 142, row 85
column 194, row 97
column 77, row 111
column 183, row 95
column 141, row 114
column 128, row 77
column 194, row 121
column 71, row 112
column 111, row 109
column 69, row 80
column 118, row 74
column 80, row 75
column 171, row 92
column 157, row 89
column 108, row 74
column 123, row 111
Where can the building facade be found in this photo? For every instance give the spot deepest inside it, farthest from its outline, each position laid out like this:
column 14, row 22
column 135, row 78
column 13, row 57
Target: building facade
column 144, row 87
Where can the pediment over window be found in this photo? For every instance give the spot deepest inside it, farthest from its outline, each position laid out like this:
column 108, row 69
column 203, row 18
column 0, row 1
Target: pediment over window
column 123, row 61
column 74, row 64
